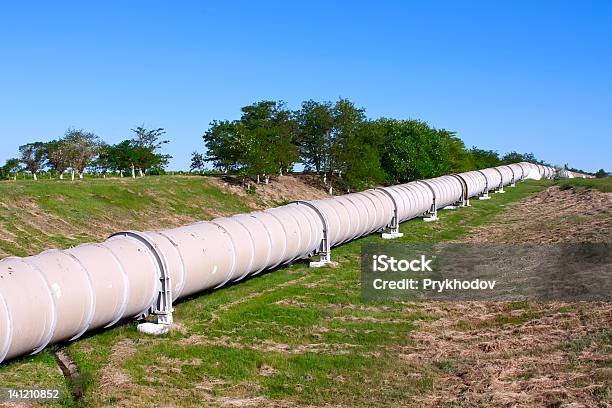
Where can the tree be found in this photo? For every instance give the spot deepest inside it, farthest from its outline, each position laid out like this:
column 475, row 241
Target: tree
column 529, row 157
column 261, row 142
column 33, row 157
column 58, row 156
column 315, row 122
column 284, row 141
column 347, row 121
column 146, row 144
column 266, row 136
column 484, row 158
column 459, row 158
column 198, row 162
column 139, row 153
column 12, row 166
column 120, row 157
column 222, row 147
column 341, row 142
column 361, row 158
column 413, row 150
column 80, row 149
column 512, row 157
column 601, row 173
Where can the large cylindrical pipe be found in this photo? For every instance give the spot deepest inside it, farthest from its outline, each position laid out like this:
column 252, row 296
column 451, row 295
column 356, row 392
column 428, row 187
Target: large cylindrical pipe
column 494, row 178
column 507, row 175
column 476, row 181
column 418, row 199
column 29, row 318
column 448, row 190
column 59, row 295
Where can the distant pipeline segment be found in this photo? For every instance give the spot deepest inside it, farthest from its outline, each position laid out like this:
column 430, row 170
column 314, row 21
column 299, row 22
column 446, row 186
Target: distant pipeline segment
column 59, row 295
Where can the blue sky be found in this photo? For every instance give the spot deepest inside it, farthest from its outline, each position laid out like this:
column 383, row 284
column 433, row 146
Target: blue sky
column 526, row 76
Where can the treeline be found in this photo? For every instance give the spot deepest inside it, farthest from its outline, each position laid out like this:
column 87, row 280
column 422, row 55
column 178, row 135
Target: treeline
column 338, row 141
column 79, row 150
column 335, row 140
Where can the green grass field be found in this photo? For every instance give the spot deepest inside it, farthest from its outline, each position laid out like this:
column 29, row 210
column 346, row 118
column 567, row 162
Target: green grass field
column 296, row 334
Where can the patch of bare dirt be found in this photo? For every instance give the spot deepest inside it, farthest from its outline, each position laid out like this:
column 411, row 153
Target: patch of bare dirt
column 113, row 377
column 280, row 190
column 269, row 346
column 267, row 371
column 291, row 302
column 244, row 402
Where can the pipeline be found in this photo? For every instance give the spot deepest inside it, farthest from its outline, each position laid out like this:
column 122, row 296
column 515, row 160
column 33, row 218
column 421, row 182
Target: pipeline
column 59, row 295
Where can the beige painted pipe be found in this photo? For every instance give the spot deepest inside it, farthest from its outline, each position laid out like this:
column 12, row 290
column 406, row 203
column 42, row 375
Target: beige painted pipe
column 59, row 295
column 476, row 183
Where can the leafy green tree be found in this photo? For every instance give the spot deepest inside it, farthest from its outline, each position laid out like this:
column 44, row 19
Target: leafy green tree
column 80, row 148
column 121, row 157
column 267, row 135
column 33, row 156
column 439, row 157
column 198, row 161
column 315, row 125
column 361, row 155
column 99, row 164
column 601, row 173
column 348, row 120
column 459, row 158
column 337, row 139
column 261, row 142
column 11, row 167
column 223, row 149
column 140, row 153
column 413, row 150
column 146, row 144
column 58, row 156
column 512, row 157
column 529, row 157
column 484, row 158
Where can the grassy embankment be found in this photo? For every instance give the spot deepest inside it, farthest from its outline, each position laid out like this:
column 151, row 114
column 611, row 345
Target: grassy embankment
column 298, row 335
column 52, row 213
column 601, row 184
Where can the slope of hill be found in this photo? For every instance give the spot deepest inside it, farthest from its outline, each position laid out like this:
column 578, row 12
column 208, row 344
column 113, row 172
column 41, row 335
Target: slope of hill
column 51, row 213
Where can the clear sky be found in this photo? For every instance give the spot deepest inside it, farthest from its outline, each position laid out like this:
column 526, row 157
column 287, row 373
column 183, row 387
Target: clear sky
column 516, row 75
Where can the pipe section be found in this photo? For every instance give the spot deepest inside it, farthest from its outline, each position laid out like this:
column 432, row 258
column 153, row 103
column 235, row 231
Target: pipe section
column 59, row 295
